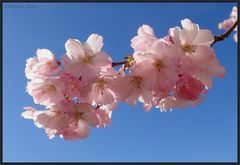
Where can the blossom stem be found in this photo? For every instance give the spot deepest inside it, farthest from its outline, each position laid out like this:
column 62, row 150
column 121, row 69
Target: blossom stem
column 226, row 34
column 118, row 63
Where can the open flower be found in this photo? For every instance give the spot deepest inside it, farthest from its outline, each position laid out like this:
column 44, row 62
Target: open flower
column 102, row 90
column 196, row 56
column 46, row 91
column 53, row 121
column 190, row 36
column 72, row 84
column 161, row 62
column 44, row 64
column 135, row 89
column 82, row 117
column 85, row 60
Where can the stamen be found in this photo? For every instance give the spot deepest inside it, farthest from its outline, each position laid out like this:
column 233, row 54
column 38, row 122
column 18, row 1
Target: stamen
column 100, row 85
column 188, row 48
column 158, row 64
column 86, row 59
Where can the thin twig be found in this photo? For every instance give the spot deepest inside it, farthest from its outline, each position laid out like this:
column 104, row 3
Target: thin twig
column 226, row 34
column 118, row 63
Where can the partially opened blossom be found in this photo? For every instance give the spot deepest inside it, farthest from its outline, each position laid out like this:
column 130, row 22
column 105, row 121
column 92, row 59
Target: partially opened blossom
column 54, row 122
column 85, row 59
column 44, row 64
column 226, row 24
column 189, row 88
column 196, row 56
column 46, row 91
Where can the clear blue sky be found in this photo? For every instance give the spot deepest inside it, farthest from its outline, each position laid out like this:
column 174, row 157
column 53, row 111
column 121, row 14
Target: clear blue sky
column 206, row 133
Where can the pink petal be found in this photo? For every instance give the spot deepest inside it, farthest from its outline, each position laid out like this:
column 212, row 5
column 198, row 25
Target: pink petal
column 82, row 129
column 204, row 37
column 95, row 41
column 146, row 29
column 188, row 25
column 70, row 134
column 74, row 49
column 44, row 54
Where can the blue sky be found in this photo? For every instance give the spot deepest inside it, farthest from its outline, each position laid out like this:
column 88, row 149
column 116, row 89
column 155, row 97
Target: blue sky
column 206, row 133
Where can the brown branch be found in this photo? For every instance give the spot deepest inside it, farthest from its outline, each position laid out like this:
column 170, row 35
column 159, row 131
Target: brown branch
column 226, row 34
column 126, row 63
column 118, row 63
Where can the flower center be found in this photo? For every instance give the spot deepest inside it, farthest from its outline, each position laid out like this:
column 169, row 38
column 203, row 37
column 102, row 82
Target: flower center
column 100, row 85
column 51, row 88
column 158, row 64
column 188, row 48
column 137, row 81
column 52, row 64
column 86, row 59
column 79, row 115
column 74, row 86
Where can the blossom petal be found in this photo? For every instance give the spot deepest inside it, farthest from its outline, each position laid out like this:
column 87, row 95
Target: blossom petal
column 95, row 41
column 204, row 37
column 74, row 49
column 44, row 54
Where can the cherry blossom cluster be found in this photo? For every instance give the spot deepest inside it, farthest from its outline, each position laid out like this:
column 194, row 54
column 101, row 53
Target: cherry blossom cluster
column 82, row 89
column 227, row 24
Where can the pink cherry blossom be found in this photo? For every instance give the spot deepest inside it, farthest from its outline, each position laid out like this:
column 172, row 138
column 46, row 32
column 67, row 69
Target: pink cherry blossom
column 44, row 64
column 135, row 89
column 203, row 64
column 85, row 60
column 144, row 39
column 196, row 56
column 103, row 90
column 72, row 85
column 53, row 121
column 46, row 91
column 161, row 62
column 68, row 119
column 190, row 36
column 82, row 117
column 170, row 72
column 226, row 24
